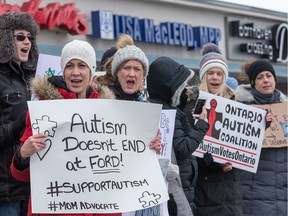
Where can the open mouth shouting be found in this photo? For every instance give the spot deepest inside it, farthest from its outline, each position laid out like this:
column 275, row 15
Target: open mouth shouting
column 76, row 82
column 130, row 84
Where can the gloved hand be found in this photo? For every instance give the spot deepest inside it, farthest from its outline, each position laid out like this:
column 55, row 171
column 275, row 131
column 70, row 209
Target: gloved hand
column 18, row 125
column 172, row 206
column 208, row 159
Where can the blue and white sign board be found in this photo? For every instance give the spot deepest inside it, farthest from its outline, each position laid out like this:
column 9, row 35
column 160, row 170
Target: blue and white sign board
column 97, row 158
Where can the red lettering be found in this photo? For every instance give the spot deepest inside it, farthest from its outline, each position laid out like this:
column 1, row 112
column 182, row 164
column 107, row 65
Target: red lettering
column 53, row 15
column 31, row 7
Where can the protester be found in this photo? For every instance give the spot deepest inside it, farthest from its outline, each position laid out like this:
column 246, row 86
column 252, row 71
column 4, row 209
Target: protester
column 264, row 192
column 78, row 62
column 218, row 187
column 107, row 78
column 129, row 66
column 166, row 84
column 18, row 60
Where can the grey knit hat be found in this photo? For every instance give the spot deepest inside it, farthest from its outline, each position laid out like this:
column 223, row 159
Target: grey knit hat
column 129, row 52
column 212, row 57
column 78, row 49
column 9, row 22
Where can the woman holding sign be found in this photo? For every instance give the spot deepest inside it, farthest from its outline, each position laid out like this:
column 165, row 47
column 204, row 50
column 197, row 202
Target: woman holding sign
column 264, row 192
column 218, row 187
column 78, row 62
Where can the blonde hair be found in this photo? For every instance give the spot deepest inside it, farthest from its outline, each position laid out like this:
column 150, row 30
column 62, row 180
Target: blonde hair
column 223, row 91
column 124, row 40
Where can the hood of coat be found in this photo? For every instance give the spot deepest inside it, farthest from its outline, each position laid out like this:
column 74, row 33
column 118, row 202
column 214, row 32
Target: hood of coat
column 45, row 90
column 167, row 79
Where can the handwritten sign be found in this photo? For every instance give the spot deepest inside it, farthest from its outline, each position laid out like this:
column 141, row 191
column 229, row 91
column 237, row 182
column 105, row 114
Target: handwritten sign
column 166, row 125
column 236, row 132
column 276, row 135
column 97, row 158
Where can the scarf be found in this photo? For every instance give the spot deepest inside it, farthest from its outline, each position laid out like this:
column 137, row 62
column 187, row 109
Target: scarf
column 121, row 95
column 265, row 98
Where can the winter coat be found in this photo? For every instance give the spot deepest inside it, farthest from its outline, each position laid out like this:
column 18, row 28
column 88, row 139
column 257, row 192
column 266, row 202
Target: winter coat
column 217, row 193
column 265, row 192
column 14, row 93
column 166, row 81
column 51, row 88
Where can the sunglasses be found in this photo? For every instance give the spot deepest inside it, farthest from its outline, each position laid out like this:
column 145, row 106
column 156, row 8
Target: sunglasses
column 23, row 37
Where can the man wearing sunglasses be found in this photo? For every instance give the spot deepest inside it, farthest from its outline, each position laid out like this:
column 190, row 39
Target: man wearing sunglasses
column 18, row 61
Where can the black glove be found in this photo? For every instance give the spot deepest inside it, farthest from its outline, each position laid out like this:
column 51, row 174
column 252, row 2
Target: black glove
column 208, row 159
column 18, row 125
column 172, row 206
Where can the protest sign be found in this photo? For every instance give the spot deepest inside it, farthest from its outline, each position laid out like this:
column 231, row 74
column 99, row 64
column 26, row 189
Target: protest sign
column 97, row 158
column 236, row 132
column 48, row 65
column 166, row 125
column 276, row 135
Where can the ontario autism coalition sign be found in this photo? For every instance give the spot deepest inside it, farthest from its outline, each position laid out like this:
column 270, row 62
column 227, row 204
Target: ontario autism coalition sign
column 97, row 158
column 236, row 132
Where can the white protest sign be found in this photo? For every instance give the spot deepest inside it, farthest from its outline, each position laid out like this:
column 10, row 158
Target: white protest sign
column 97, row 158
column 236, row 132
column 48, row 65
column 166, row 125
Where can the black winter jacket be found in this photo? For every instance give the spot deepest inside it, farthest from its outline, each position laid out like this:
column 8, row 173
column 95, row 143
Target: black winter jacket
column 217, row 193
column 265, row 192
column 166, row 82
column 14, row 93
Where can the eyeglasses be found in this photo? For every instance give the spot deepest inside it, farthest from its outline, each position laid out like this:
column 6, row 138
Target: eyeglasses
column 23, row 37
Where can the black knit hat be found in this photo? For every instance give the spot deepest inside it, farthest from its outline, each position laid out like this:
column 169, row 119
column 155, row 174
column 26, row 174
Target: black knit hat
column 257, row 67
column 9, row 22
column 108, row 54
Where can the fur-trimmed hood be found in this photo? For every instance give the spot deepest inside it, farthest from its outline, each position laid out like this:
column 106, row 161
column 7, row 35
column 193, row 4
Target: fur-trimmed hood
column 243, row 94
column 45, row 90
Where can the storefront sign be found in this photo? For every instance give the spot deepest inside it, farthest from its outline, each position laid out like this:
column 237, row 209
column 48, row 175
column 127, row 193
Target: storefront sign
column 53, row 15
column 265, row 42
column 105, row 25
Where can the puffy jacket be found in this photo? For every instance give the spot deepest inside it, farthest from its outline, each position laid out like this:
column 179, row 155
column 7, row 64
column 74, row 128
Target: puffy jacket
column 14, row 93
column 265, row 192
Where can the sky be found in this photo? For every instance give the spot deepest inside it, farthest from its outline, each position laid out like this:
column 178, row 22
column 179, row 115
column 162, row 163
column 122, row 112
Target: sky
column 275, row 5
